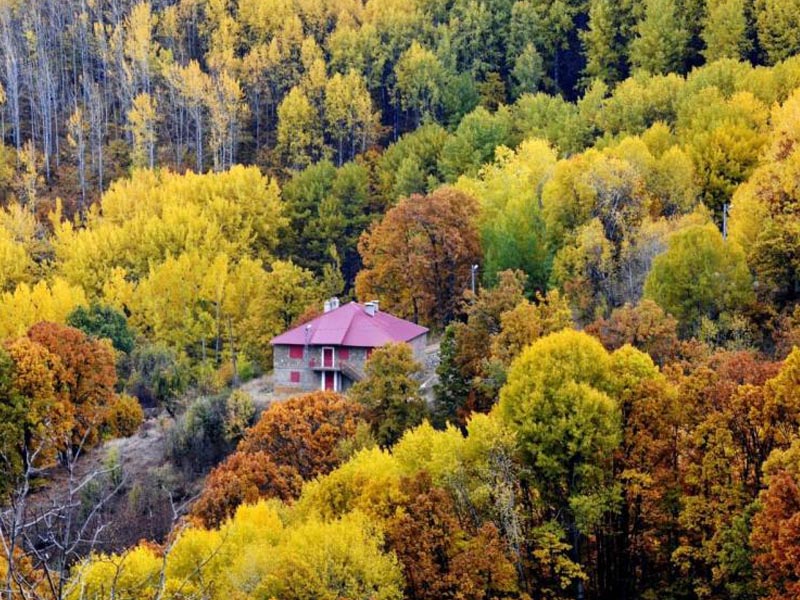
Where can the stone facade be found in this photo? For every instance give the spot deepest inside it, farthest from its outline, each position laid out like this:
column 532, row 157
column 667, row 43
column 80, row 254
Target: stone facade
column 300, row 368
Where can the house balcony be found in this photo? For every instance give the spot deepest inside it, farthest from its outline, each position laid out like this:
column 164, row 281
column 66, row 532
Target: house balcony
column 318, row 365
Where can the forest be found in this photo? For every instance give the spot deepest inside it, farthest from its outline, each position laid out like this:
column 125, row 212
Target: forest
column 615, row 412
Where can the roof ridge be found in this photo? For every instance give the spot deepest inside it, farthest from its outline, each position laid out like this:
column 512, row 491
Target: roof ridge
column 348, row 323
column 350, row 316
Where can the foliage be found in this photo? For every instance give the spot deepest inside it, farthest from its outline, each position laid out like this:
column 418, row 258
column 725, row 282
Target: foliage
column 389, row 393
column 557, row 399
column 645, row 326
column 292, row 441
column 158, row 376
column 103, row 322
column 417, row 260
column 209, row 430
column 252, row 553
column 700, row 275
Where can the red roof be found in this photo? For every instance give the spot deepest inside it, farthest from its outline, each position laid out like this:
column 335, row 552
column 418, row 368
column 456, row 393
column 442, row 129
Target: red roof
column 350, row 325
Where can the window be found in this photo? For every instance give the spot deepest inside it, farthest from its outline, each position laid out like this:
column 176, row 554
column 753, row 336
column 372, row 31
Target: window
column 344, row 353
column 295, row 352
column 294, row 376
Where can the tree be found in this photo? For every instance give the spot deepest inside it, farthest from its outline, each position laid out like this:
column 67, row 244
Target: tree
column 390, row 393
column 438, row 558
column 300, row 139
column 157, row 376
column 36, row 414
column 527, row 322
column 103, row 322
column 142, row 122
column 511, row 224
column 777, row 27
column 645, row 326
column 292, row 441
column 559, row 401
column 28, row 305
column 528, row 71
column 452, row 389
column 762, row 214
column 776, row 527
column 15, row 262
column 660, row 42
column 227, row 110
column 417, row 259
column 420, row 79
column 474, row 142
column 349, row 115
column 606, row 40
column 191, row 84
column 253, row 552
column 89, row 375
column 700, row 275
column 725, row 31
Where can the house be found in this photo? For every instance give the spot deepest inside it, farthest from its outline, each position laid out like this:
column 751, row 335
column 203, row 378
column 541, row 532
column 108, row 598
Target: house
column 329, row 352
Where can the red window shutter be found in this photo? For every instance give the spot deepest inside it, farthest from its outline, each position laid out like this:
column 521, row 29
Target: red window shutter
column 294, row 376
column 369, row 352
column 295, row 352
column 344, row 353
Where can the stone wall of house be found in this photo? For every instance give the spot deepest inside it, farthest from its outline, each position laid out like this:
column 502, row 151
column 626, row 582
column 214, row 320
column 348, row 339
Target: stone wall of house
column 418, row 345
column 284, row 365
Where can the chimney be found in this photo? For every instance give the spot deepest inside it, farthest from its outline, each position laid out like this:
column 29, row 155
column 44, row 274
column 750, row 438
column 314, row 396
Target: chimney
column 331, row 304
column 370, row 308
column 377, row 304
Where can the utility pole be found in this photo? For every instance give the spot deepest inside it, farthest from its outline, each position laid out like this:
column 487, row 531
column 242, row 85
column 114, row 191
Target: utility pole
column 725, row 210
column 474, row 273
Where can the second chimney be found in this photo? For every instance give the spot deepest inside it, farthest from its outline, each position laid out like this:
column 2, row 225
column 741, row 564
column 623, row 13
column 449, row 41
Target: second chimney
column 331, row 304
column 371, row 308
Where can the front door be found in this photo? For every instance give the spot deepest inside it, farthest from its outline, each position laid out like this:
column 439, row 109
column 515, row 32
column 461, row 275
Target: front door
column 327, row 358
column 330, row 380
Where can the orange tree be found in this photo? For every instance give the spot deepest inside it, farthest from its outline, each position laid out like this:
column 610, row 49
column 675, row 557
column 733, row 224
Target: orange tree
column 417, row 260
column 89, row 375
column 293, row 441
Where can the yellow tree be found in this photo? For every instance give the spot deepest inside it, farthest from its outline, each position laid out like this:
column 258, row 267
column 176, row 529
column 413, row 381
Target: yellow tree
column 349, row 114
column 300, row 139
column 226, row 110
column 191, row 85
column 142, row 118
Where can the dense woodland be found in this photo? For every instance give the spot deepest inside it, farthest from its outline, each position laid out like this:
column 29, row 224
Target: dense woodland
column 617, row 413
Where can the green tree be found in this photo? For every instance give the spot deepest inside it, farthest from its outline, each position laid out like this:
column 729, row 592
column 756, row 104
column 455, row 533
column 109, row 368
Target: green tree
column 512, row 227
column 778, row 25
column 606, row 40
column 474, row 142
column 528, row 71
column 158, row 376
column 660, row 42
column 390, row 393
column 453, row 387
column 558, row 401
column 103, row 322
column 725, row 30
column 700, row 275
column 420, row 82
